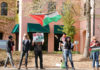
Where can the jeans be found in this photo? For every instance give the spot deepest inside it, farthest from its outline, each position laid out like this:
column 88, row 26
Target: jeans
column 38, row 54
column 67, row 53
column 91, row 55
column 24, row 53
column 95, row 58
column 9, row 57
column 62, row 52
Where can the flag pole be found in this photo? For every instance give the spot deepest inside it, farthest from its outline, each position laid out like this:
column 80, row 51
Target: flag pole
column 20, row 24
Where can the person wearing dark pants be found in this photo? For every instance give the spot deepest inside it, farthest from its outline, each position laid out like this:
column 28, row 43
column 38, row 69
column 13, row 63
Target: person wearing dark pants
column 96, row 59
column 24, row 53
column 67, row 52
column 10, row 45
column 26, row 46
column 38, row 53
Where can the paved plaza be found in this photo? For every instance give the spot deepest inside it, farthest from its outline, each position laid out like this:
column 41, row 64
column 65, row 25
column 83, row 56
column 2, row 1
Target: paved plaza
column 43, row 69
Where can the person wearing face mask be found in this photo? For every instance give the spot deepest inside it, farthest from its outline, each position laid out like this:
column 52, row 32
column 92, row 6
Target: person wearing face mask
column 68, row 46
column 10, row 45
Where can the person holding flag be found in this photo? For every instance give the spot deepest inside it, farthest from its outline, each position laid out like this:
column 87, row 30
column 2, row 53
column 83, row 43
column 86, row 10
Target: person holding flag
column 94, row 52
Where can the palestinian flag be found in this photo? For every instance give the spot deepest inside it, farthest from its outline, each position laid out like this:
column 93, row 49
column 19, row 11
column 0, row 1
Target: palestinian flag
column 46, row 19
column 95, row 49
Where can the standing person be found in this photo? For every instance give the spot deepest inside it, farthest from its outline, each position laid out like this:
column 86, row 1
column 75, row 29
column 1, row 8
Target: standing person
column 95, row 54
column 61, row 45
column 38, row 53
column 67, row 52
column 10, row 45
column 62, row 40
column 25, row 49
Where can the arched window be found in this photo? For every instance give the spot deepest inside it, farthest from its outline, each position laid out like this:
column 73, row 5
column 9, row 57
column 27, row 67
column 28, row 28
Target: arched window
column 4, row 7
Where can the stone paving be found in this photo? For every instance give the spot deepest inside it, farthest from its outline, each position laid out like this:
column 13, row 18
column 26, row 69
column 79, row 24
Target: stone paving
column 43, row 69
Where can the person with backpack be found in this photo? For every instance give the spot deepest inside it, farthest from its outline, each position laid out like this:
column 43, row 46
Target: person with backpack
column 68, row 46
column 25, row 49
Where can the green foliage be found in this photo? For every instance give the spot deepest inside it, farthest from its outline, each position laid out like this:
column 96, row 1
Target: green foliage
column 68, row 20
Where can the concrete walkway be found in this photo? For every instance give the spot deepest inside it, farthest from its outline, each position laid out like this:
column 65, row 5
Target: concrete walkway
column 42, row 69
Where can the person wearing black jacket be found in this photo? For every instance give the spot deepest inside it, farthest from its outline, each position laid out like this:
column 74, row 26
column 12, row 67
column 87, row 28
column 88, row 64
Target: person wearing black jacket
column 10, row 45
column 68, row 46
column 38, row 53
column 25, row 49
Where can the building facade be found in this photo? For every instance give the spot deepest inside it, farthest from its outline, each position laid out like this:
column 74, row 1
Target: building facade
column 51, row 37
column 95, row 19
column 7, row 18
column 8, row 21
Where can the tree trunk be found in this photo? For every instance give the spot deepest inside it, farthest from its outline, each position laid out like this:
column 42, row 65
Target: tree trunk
column 88, row 29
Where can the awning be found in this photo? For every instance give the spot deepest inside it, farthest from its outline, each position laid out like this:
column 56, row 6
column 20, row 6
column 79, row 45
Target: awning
column 15, row 29
column 33, row 28
column 58, row 29
column 37, row 28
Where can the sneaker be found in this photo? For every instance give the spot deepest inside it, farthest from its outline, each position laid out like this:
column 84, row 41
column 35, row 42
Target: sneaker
column 36, row 67
column 73, row 68
column 13, row 67
column 66, row 68
column 42, row 68
column 18, row 68
column 97, row 68
column 5, row 66
column 26, row 68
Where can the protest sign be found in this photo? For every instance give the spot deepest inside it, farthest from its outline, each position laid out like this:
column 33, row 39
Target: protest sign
column 38, row 37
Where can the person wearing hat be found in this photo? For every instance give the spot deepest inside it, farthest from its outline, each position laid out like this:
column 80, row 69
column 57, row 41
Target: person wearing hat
column 26, row 46
column 10, row 45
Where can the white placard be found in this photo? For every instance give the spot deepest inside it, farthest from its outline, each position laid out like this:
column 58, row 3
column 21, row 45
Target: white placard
column 38, row 37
